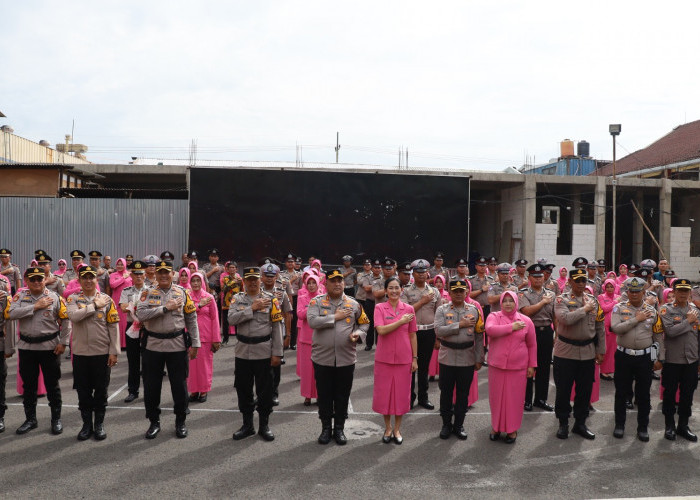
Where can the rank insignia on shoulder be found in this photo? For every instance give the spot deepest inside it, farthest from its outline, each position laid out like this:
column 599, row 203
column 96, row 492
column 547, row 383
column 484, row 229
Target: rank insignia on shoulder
column 15, row 298
column 144, row 294
column 663, row 310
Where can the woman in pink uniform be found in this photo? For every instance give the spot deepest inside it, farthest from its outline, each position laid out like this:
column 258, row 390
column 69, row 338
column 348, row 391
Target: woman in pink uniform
column 305, row 368
column 622, row 276
column 62, row 267
column 563, row 278
column 512, row 358
column 184, row 276
column 607, row 300
column 202, row 367
column 434, row 366
column 396, row 358
column 118, row 281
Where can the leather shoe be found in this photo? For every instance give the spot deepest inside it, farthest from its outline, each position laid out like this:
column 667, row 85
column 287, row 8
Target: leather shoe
column 243, row 432
column 339, row 437
column 181, row 430
column 540, row 403
column 563, row 431
column 619, row 432
column 325, row 436
column 494, row 436
column 2, row 424
column 670, row 433
column 582, row 431
column 629, row 405
column 398, row 439
column 266, row 433
column 27, row 426
column 100, row 434
column 153, row 430
column 643, row 435
column 510, row 439
column 56, row 426
column 460, row 432
column 194, row 397
column 368, row 348
column 445, row 431
column 528, row 406
column 85, row 432
column 427, row 404
column 202, row 398
column 131, row 397
column 685, row 432
column 275, row 401
column 387, row 439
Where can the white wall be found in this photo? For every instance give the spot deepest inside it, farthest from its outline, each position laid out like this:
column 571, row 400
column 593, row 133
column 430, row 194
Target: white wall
column 583, row 244
column 685, row 265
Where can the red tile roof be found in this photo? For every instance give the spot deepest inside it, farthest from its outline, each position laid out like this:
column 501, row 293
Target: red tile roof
column 681, row 144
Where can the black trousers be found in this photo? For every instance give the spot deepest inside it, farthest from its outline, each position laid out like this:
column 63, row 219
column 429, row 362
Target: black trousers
column 178, row 365
column 635, row 369
column 3, row 379
column 294, row 332
column 451, row 378
column 91, row 380
column 50, row 364
column 426, row 342
column 368, row 307
column 276, row 379
column 673, row 377
column 253, row 371
column 566, row 372
column 133, row 357
column 225, row 327
column 545, row 344
column 333, row 385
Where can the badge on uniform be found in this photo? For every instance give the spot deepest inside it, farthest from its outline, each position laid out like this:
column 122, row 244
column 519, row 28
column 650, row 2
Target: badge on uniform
column 100, row 315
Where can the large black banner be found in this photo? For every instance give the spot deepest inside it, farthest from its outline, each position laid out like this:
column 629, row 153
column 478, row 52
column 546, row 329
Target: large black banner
column 248, row 214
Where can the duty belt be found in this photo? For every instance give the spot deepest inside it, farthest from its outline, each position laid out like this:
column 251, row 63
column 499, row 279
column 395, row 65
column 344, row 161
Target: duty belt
column 579, row 343
column 38, row 340
column 634, row 352
column 457, row 345
column 253, row 340
column 164, row 336
column 426, row 327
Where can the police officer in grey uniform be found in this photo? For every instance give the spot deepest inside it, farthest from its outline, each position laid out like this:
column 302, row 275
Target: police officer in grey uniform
column 367, row 283
column 95, row 349
column 212, row 271
column 44, row 333
column 9, row 270
column 271, row 284
column 460, row 328
column 579, row 345
column 165, row 312
column 680, row 360
column 76, row 260
column 519, row 278
column 437, row 268
column 503, row 284
column 363, row 280
column 481, row 283
column 259, row 323
column 338, row 322
column 293, row 278
column 638, row 327
column 461, row 271
column 127, row 302
column 53, row 283
column 102, row 273
column 7, row 332
column 549, row 282
column 537, row 303
column 425, row 300
column 349, row 276
column 594, row 280
column 388, row 271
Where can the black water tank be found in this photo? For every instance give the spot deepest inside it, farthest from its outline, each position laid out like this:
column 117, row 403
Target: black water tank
column 583, row 149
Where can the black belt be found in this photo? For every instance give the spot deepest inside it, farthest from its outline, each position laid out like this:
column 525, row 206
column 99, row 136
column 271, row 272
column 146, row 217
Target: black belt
column 253, row 340
column 38, row 340
column 457, row 345
column 164, row 336
column 579, row 343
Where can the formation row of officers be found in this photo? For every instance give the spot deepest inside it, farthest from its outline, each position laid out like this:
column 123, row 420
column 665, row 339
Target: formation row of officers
column 169, row 336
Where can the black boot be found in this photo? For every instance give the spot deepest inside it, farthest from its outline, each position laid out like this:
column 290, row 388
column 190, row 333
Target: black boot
column 446, row 427
column 338, row 433
column 29, row 421
column 326, row 430
column 246, row 429
column 563, row 431
column 458, row 427
column 100, row 433
column 684, row 431
column 86, row 430
column 670, row 433
column 264, row 430
column 56, row 424
column 180, row 428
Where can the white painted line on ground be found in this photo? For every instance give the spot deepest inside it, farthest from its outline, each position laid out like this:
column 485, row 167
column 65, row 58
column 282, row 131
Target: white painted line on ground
column 114, row 395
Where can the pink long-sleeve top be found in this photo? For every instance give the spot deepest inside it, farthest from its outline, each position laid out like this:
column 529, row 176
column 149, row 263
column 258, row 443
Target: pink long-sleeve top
column 304, row 331
column 119, row 281
column 508, row 349
column 208, row 315
column 607, row 302
column 395, row 347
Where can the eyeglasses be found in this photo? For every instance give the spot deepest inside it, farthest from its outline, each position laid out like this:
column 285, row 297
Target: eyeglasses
column 36, row 279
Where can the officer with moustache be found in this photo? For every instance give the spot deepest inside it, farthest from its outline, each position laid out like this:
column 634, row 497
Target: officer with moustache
column 128, row 302
column 7, row 332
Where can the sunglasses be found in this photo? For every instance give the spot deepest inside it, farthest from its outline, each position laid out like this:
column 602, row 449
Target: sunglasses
column 36, row 279
column 580, row 280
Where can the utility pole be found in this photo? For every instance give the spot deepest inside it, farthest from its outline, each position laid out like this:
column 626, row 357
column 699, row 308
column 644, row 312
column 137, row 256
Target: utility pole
column 337, row 145
column 614, row 131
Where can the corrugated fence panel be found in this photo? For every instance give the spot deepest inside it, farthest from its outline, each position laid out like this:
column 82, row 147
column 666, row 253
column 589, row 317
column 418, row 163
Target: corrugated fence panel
column 113, row 226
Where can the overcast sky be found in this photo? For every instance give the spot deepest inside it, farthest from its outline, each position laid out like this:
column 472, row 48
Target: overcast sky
column 473, row 84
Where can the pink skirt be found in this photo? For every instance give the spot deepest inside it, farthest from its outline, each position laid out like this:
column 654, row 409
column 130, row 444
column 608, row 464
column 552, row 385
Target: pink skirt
column 608, row 364
column 305, row 370
column 595, row 391
column 392, row 388
column 506, row 396
column 123, row 318
column 201, row 370
column 434, row 366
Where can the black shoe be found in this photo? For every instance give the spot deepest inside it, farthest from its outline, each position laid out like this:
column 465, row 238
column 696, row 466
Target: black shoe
column 326, row 435
column 494, row 437
column 27, row 426
column 655, row 376
column 266, row 433
column 510, row 439
column 541, row 403
column 629, row 405
column 100, row 434
column 85, row 431
column 427, row 404
column 131, row 397
column 398, row 439
column 283, row 362
column 388, row 439
column 368, row 348
column 445, row 431
column 670, row 433
column 153, row 430
column 685, row 432
column 643, row 435
column 563, row 431
column 619, row 431
column 275, row 401
column 194, row 397
column 431, row 378
column 181, row 430
column 56, row 426
column 527, row 406
column 202, row 398
column 582, row 431
column 293, row 347
column 245, row 431
column 2, row 424
column 339, row 436
column 459, row 432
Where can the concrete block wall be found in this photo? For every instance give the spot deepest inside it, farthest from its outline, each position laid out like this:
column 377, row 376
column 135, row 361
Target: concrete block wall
column 512, row 209
column 685, row 265
column 583, row 244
